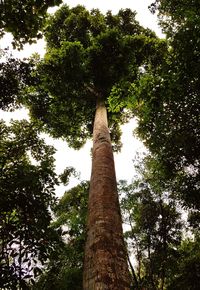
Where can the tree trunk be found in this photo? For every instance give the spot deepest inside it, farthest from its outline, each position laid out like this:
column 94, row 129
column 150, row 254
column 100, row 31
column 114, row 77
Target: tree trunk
column 105, row 265
column 135, row 280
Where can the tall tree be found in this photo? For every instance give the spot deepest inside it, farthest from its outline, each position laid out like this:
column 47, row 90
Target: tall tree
column 167, row 101
column 27, row 181
column 90, row 57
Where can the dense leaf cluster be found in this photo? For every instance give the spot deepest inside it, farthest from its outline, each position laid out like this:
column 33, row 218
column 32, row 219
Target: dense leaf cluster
column 167, row 102
column 174, row 14
column 88, row 55
column 27, row 181
column 15, row 75
column 24, row 19
column 154, row 229
column 187, row 275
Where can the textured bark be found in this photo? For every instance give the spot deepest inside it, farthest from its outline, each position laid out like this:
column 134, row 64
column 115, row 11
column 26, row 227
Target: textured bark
column 105, row 265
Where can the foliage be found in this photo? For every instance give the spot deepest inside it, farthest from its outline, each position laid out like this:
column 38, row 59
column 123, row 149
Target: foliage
column 15, row 75
column 27, row 183
column 88, row 55
column 175, row 14
column 187, row 275
column 155, row 226
column 24, row 19
column 166, row 101
column 64, row 271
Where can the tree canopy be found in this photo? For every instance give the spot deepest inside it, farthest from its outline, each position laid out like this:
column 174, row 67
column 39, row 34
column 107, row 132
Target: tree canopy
column 15, row 75
column 88, row 55
column 24, row 19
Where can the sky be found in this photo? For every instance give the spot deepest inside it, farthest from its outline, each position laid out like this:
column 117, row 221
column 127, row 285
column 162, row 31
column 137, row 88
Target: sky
column 81, row 159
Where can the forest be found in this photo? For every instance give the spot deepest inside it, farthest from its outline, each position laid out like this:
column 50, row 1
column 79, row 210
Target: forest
column 100, row 70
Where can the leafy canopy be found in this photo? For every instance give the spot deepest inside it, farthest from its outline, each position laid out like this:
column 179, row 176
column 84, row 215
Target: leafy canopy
column 167, row 101
column 15, row 75
column 24, row 19
column 88, row 55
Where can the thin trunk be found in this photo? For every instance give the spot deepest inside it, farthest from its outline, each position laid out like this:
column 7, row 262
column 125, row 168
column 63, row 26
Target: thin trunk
column 164, row 240
column 105, row 265
column 133, row 273
column 151, row 278
column 138, row 254
column 20, row 262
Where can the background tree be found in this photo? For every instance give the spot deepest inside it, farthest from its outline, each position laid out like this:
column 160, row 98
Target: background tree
column 168, row 111
column 187, row 273
column 65, row 267
column 167, row 101
column 155, row 231
column 24, row 19
column 89, row 56
column 15, row 75
column 27, row 183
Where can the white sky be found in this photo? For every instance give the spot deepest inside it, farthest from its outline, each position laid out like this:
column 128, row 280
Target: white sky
column 81, row 159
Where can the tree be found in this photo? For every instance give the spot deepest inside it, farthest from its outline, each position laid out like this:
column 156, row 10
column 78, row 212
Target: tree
column 24, row 19
column 155, row 228
column 187, row 274
column 15, row 75
column 167, row 101
column 89, row 58
column 27, row 183
column 174, row 15
column 65, row 267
